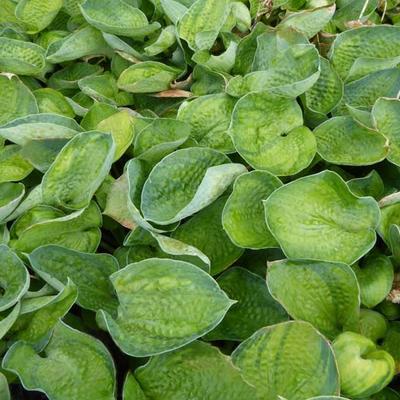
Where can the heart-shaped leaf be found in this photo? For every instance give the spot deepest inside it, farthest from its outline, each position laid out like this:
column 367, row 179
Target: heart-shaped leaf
column 317, row 217
column 291, row 360
column 373, row 325
column 255, row 308
column 78, row 171
column 364, row 369
column 364, row 43
column 147, row 292
column 90, row 273
column 117, row 17
column 375, row 276
column 267, row 132
column 147, row 77
column 201, row 23
column 70, row 356
column 341, row 140
column 243, row 216
column 196, row 370
column 197, row 177
column 209, row 117
column 329, row 293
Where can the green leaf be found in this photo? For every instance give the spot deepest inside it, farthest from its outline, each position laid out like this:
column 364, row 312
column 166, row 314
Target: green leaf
column 78, row 171
column 391, row 341
column 341, row 140
column 36, row 15
column 375, row 276
column 102, row 88
column 210, row 117
column 267, row 132
column 196, row 176
column 255, row 307
column 51, row 101
column 120, row 125
column 327, row 398
column 317, row 217
column 80, row 43
column 136, row 176
column 117, row 17
column 327, row 91
column 364, row 44
column 97, row 113
column 385, row 113
column 19, row 57
column 309, row 22
column 159, row 138
column 394, row 241
column 329, row 293
column 291, row 360
column 68, row 77
column 364, row 370
column 222, row 63
column 351, row 11
column 165, row 40
column 39, row 126
column 42, row 153
column 196, row 371
column 173, row 248
column 132, row 389
column 248, row 45
column 373, row 325
column 164, row 304
column 201, row 23
column 11, row 195
column 390, row 215
column 243, row 216
column 77, row 231
column 90, row 273
column 173, row 9
column 116, row 205
column 147, row 77
column 34, row 215
column 369, row 185
column 14, row 278
column 365, row 91
column 4, row 234
column 205, row 232
column 33, row 199
column 16, row 100
column 6, row 322
column 75, row 365
column 40, row 315
column 290, row 72
column 4, row 389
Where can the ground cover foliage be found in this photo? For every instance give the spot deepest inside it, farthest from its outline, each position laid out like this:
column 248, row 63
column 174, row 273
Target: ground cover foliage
column 199, row 199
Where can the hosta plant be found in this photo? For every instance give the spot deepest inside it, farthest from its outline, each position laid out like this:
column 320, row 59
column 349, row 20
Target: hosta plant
column 199, row 199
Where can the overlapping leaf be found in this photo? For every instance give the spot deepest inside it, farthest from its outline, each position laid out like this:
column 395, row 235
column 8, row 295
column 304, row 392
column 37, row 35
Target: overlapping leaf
column 333, row 224
column 291, row 360
column 329, row 292
column 148, row 290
